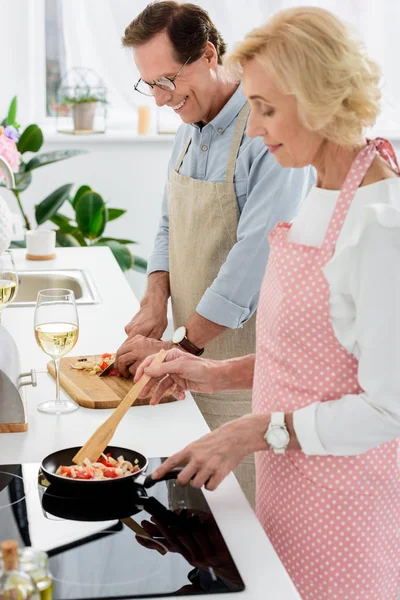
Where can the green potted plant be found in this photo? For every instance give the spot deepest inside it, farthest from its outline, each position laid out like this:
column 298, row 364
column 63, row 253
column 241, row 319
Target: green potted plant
column 87, row 226
column 84, row 103
column 91, row 212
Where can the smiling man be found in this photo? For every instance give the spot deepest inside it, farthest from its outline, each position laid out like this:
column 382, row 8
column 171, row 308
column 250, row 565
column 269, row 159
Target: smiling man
column 225, row 193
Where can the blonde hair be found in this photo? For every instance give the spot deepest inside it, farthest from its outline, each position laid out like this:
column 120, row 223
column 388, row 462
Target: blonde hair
column 313, row 55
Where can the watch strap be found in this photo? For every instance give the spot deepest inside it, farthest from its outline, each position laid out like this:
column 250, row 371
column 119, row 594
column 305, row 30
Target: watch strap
column 278, row 418
column 187, row 345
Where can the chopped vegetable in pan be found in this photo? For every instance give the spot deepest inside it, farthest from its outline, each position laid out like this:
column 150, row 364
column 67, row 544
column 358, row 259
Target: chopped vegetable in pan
column 106, row 467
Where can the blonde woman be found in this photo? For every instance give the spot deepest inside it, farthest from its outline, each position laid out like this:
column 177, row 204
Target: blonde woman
column 326, row 382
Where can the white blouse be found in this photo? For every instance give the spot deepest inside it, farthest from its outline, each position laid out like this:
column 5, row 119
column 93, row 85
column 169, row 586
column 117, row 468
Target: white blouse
column 364, row 283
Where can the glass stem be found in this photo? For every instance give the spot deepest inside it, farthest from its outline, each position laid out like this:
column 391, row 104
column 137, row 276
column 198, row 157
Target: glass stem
column 57, row 370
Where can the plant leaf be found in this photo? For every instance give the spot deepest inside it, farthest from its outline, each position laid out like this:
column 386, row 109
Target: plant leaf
column 18, row 244
column 52, row 203
column 115, row 213
column 47, row 158
column 91, row 215
column 120, row 241
column 12, row 112
column 79, row 237
column 31, row 139
column 139, row 264
column 66, row 239
column 121, row 253
column 79, row 193
column 63, row 222
column 22, row 181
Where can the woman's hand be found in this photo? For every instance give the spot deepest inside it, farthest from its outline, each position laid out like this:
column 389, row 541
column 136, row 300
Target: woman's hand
column 180, row 370
column 209, row 460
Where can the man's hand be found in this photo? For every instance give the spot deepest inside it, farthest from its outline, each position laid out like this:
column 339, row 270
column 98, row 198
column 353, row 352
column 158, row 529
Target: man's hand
column 151, row 321
column 134, row 350
column 209, row 460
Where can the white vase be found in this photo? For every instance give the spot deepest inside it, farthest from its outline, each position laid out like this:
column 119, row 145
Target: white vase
column 6, row 225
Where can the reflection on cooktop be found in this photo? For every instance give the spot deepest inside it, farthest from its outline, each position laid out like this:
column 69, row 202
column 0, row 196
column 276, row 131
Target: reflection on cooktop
column 134, row 544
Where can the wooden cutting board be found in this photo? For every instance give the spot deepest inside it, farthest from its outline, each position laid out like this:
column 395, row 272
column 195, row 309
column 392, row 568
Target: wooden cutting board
column 92, row 391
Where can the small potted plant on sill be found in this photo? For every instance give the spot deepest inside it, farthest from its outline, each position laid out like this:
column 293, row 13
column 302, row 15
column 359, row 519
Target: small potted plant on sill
column 84, row 105
column 82, row 95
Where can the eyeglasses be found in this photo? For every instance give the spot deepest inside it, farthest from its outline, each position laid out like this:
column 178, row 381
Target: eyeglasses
column 165, row 83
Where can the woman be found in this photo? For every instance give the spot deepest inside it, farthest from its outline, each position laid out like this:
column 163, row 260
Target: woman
column 326, row 409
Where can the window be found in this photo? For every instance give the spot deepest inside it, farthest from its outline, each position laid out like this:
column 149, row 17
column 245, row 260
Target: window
column 55, row 53
column 87, row 33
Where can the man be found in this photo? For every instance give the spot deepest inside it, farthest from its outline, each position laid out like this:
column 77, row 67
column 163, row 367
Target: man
column 224, row 194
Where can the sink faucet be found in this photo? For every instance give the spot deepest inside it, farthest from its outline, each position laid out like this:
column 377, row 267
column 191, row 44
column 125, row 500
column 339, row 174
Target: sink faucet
column 8, row 174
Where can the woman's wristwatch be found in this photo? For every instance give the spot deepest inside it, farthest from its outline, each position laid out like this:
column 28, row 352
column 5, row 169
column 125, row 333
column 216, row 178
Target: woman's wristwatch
column 179, row 337
column 277, row 436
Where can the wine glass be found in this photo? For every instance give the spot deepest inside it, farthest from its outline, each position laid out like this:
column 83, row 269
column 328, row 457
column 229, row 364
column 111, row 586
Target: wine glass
column 56, row 332
column 8, row 280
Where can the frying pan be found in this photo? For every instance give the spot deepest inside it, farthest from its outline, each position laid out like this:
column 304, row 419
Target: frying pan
column 64, row 457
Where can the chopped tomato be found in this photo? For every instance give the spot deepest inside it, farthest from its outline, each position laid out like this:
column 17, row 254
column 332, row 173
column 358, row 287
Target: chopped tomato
column 103, row 365
column 84, row 474
column 105, row 462
column 111, row 473
column 113, row 372
column 66, row 470
column 106, row 355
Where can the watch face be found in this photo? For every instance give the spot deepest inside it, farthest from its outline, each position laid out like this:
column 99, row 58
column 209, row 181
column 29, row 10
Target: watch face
column 278, row 438
column 179, row 334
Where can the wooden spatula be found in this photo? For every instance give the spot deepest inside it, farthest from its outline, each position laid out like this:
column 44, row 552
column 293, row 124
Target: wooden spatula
column 97, row 443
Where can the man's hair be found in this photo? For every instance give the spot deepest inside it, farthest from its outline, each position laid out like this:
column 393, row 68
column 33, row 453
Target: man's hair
column 188, row 27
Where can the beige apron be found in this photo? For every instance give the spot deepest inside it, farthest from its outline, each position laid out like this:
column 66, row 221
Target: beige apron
column 203, row 221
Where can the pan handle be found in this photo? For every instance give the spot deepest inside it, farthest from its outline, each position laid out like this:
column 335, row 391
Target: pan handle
column 149, row 481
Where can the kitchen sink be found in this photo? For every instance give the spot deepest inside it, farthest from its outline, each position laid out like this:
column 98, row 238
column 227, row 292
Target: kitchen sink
column 77, row 280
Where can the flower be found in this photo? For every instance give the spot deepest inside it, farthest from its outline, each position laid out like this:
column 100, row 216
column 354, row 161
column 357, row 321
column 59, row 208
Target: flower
column 9, row 151
column 12, row 133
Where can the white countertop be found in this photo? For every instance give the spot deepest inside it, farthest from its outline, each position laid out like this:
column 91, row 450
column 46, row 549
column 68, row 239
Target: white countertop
column 153, row 430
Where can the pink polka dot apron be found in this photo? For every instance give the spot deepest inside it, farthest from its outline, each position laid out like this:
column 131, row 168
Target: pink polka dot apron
column 334, row 521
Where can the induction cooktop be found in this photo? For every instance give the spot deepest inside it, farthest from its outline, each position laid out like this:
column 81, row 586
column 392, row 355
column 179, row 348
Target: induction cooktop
column 112, row 545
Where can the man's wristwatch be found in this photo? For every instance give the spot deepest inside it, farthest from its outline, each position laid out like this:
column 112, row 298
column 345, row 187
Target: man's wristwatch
column 277, row 436
column 179, row 337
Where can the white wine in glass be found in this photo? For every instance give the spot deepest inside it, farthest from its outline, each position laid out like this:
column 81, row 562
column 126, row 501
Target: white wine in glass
column 8, row 280
column 56, row 332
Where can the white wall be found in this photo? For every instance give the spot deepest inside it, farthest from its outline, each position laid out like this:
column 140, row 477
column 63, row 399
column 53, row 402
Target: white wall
column 21, row 42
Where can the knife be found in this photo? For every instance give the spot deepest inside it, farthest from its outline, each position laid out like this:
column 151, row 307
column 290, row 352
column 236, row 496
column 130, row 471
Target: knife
column 107, row 370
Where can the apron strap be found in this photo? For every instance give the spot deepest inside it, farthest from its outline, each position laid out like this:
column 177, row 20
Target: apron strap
column 236, row 141
column 182, row 155
column 386, row 151
column 354, row 177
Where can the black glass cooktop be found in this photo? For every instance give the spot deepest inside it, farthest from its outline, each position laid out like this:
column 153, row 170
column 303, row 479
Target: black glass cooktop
column 126, row 544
